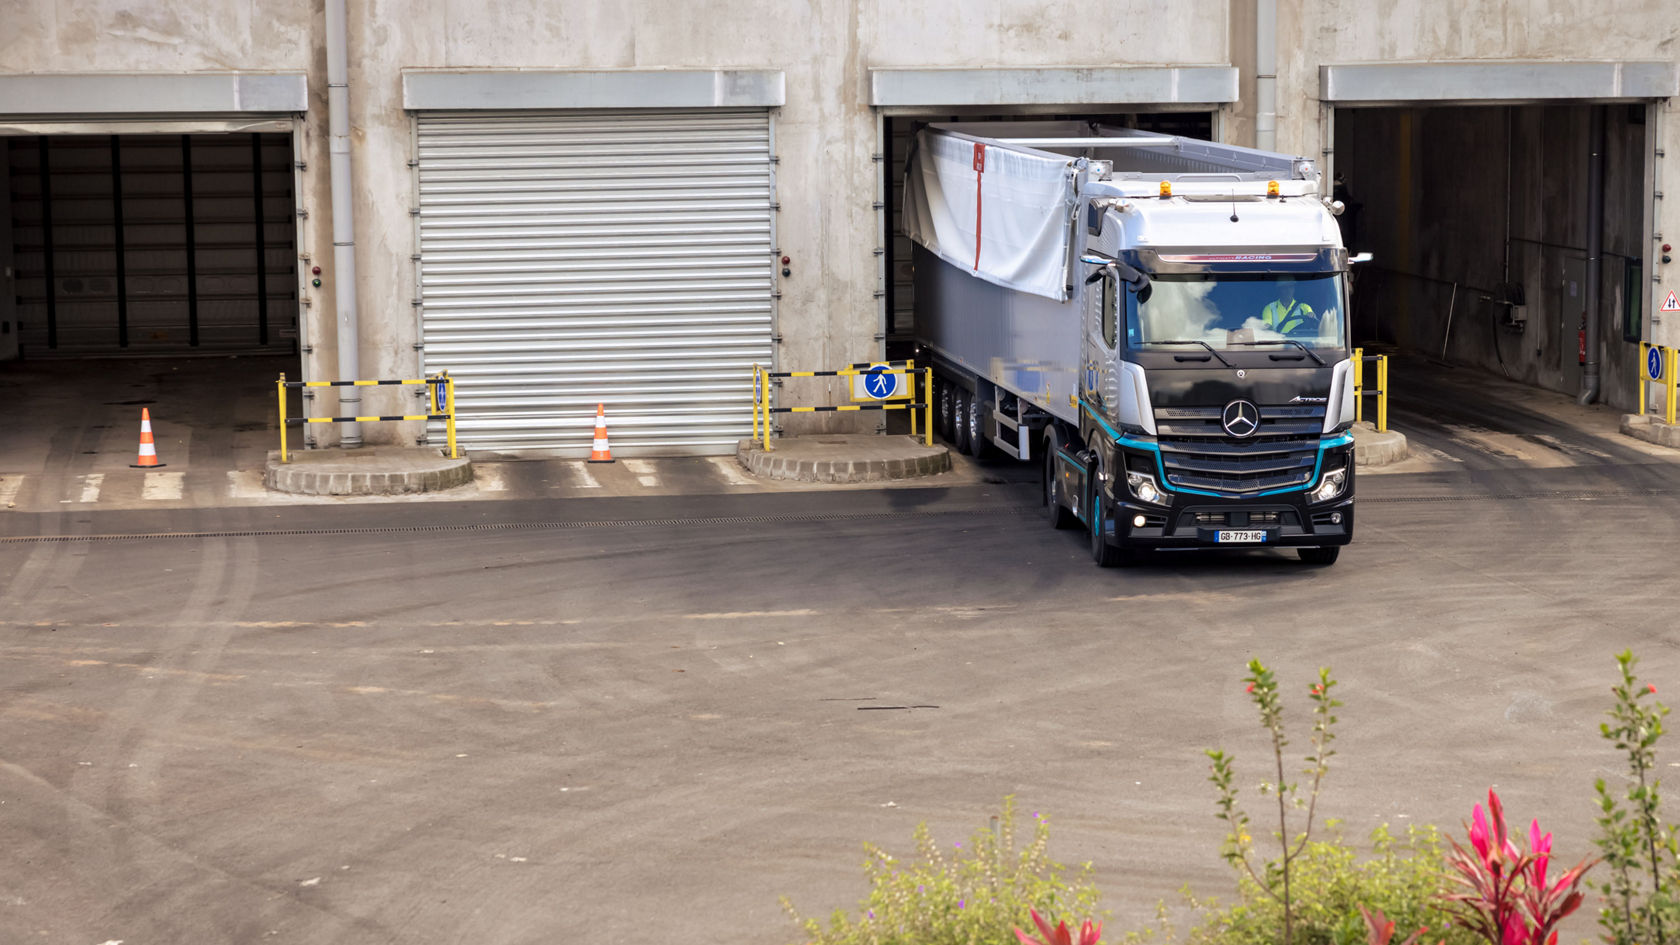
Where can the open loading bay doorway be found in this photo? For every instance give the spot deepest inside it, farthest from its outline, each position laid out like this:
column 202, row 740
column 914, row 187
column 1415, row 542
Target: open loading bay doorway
column 147, row 271
column 1482, row 221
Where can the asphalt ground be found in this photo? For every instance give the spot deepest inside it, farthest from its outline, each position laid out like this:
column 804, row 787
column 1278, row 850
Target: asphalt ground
column 645, row 712
column 648, row 718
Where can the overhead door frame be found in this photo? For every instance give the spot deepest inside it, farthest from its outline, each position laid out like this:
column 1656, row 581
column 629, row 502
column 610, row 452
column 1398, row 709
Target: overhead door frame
column 428, row 91
column 172, row 104
column 1511, row 82
column 919, row 91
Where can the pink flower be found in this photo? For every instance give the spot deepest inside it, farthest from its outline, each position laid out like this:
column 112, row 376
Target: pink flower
column 1479, row 833
column 1652, row 687
column 1250, row 688
column 1089, row 934
column 1541, row 846
column 1516, row 931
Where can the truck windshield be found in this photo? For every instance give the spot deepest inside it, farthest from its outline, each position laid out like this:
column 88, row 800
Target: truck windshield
column 1240, row 310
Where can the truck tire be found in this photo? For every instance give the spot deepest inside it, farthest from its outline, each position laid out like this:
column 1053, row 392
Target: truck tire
column 959, row 423
column 947, row 410
column 1054, row 508
column 1319, row 557
column 977, row 416
column 1103, row 553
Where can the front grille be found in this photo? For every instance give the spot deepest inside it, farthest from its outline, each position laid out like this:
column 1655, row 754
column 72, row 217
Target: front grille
column 1199, row 454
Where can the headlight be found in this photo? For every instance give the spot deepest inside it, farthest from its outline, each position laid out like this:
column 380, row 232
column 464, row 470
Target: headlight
column 1143, row 487
column 1330, row 485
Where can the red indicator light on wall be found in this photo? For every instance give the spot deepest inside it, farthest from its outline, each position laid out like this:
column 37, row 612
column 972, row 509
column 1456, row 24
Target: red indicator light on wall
column 786, row 260
column 315, row 271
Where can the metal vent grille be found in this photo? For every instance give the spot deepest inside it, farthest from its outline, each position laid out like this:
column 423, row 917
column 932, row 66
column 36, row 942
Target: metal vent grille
column 623, row 258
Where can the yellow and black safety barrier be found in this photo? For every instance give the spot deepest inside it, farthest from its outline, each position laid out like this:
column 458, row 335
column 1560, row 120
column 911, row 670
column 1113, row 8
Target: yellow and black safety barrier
column 761, row 398
column 1668, row 368
column 1360, row 390
column 440, row 402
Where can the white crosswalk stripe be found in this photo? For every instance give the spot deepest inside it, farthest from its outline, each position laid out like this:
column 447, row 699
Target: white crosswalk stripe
column 163, row 486
column 643, row 471
column 9, row 486
column 731, row 470
column 581, row 477
column 91, row 484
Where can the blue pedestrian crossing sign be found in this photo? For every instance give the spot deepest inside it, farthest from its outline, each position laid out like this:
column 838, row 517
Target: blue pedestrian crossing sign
column 876, row 384
column 1654, row 363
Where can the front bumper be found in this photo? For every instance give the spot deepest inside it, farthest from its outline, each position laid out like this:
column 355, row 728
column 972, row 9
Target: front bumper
column 1286, row 520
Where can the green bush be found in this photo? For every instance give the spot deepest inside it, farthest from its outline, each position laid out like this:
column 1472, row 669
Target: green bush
column 1403, row 878
column 974, row 895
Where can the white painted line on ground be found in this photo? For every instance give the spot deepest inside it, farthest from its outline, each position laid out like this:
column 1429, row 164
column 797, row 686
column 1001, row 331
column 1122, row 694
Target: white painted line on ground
column 581, row 479
column 9, row 486
column 246, row 484
column 739, row 614
column 489, row 478
column 643, row 471
column 90, row 487
column 163, row 486
column 731, row 470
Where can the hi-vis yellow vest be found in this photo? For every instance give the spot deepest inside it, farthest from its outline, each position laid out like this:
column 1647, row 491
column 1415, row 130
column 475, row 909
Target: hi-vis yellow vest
column 1286, row 319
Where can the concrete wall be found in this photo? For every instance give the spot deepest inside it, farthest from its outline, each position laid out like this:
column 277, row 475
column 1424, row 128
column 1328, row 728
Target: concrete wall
column 826, row 133
column 8, row 273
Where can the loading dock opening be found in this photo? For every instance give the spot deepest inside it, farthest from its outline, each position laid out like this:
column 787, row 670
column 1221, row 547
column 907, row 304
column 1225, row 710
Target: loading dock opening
column 1480, row 220
column 899, row 129
column 154, row 263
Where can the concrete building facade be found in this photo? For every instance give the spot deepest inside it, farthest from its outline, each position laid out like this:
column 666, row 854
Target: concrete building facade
column 505, row 158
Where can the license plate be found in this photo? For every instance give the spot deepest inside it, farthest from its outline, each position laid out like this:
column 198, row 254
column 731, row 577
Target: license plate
column 1252, row 535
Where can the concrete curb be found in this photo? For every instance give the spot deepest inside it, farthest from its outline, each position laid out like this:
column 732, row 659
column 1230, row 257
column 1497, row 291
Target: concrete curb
column 1651, row 430
column 374, row 470
column 844, row 458
column 1371, row 448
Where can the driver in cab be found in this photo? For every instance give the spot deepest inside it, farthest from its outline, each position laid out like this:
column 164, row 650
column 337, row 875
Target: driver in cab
column 1288, row 315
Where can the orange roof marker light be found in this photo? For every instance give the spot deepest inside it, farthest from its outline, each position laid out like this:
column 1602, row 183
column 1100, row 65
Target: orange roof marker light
column 1166, row 188
column 1271, row 188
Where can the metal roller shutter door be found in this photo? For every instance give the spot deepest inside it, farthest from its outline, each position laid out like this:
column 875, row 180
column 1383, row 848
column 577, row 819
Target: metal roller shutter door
column 575, row 258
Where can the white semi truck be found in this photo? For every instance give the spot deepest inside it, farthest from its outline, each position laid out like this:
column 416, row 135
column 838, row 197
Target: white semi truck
column 1160, row 323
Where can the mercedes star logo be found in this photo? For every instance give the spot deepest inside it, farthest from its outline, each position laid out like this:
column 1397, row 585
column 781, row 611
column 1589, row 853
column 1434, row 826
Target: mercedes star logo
column 1241, row 418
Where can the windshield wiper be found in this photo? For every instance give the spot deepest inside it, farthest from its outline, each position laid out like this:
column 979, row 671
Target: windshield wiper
column 1281, row 341
column 1189, row 341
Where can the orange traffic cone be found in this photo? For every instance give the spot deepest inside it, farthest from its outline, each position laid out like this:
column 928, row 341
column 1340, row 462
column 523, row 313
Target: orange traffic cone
column 602, row 453
column 148, row 452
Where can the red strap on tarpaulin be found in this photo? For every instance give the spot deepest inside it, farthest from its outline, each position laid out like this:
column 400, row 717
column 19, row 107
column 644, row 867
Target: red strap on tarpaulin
column 979, row 170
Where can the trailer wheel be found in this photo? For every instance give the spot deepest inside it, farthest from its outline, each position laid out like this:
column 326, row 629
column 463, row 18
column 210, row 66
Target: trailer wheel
column 1321, row 557
column 947, row 411
column 1103, row 553
column 975, row 416
column 1054, row 508
column 959, row 424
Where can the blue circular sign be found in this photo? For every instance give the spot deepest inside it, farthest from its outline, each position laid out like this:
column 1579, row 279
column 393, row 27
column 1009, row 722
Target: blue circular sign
column 879, row 384
column 1654, row 363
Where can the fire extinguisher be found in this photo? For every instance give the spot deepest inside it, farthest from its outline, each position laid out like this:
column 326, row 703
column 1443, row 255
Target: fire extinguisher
column 1581, row 341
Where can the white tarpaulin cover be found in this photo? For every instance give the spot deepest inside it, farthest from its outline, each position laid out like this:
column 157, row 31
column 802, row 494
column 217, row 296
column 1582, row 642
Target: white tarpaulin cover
column 1011, row 230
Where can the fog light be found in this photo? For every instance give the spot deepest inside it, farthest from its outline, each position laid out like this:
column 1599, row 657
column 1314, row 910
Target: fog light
column 1138, row 521
column 1335, row 518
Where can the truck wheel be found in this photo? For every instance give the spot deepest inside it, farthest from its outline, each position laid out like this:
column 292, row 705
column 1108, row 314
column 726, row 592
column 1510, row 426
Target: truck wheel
column 947, row 411
column 1103, row 553
column 1054, row 508
column 977, row 414
column 959, row 424
column 1319, row 556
